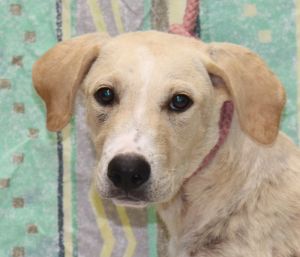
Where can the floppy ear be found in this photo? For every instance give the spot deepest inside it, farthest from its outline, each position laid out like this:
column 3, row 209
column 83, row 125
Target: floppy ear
column 58, row 74
column 256, row 92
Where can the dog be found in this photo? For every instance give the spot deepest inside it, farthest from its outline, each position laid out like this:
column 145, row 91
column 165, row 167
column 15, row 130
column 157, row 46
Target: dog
column 190, row 127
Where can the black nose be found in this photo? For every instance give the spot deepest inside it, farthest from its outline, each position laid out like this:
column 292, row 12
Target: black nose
column 128, row 171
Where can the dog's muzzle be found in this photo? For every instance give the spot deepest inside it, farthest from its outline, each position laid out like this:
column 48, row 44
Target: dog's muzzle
column 128, row 172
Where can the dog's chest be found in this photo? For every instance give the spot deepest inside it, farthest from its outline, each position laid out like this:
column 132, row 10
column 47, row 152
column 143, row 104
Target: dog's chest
column 171, row 216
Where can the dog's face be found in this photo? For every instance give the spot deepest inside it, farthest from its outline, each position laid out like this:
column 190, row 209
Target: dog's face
column 150, row 106
column 153, row 106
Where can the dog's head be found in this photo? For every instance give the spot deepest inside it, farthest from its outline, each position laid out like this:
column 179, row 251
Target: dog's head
column 153, row 104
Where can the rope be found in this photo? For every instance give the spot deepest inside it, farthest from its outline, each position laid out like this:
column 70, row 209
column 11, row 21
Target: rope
column 188, row 27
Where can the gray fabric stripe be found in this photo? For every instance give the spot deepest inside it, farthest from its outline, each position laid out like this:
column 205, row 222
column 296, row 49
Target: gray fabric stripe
column 132, row 12
column 108, row 17
column 89, row 240
column 85, row 23
column 160, row 18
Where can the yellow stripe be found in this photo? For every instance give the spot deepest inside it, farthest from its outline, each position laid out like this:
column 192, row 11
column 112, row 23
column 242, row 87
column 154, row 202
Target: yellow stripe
column 67, row 146
column 117, row 15
column 176, row 11
column 97, row 15
column 103, row 224
column 298, row 59
column 67, row 196
column 66, row 19
column 131, row 242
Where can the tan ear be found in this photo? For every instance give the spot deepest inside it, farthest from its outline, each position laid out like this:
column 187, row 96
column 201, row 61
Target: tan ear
column 257, row 93
column 58, row 74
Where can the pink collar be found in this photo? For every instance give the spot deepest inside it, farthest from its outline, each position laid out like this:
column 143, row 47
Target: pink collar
column 224, row 126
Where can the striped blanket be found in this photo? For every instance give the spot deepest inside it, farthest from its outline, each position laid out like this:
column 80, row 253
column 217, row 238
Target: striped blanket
column 47, row 206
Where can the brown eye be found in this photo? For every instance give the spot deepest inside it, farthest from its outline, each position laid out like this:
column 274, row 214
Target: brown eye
column 180, row 103
column 105, row 96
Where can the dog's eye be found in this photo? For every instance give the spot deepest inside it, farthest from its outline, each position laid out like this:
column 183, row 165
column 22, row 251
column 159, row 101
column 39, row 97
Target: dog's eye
column 105, row 96
column 180, row 103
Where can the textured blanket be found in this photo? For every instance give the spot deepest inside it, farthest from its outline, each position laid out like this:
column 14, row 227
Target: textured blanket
column 47, row 207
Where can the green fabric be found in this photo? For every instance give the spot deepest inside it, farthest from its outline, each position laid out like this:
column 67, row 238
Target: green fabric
column 27, row 151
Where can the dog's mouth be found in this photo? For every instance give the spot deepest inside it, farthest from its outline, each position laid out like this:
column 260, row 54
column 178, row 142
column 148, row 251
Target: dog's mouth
column 129, row 201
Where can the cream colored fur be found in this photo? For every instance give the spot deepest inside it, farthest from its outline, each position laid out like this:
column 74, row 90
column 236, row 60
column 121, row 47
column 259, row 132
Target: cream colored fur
column 246, row 201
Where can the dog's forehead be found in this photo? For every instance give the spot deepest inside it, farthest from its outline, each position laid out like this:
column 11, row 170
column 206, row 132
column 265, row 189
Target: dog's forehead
column 144, row 53
column 162, row 49
column 154, row 40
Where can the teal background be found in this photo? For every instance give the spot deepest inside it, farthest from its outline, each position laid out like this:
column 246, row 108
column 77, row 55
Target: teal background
column 34, row 179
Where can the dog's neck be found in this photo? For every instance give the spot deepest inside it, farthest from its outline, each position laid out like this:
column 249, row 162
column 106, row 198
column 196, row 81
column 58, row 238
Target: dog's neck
column 196, row 188
column 197, row 195
column 225, row 121
column 227, row 176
